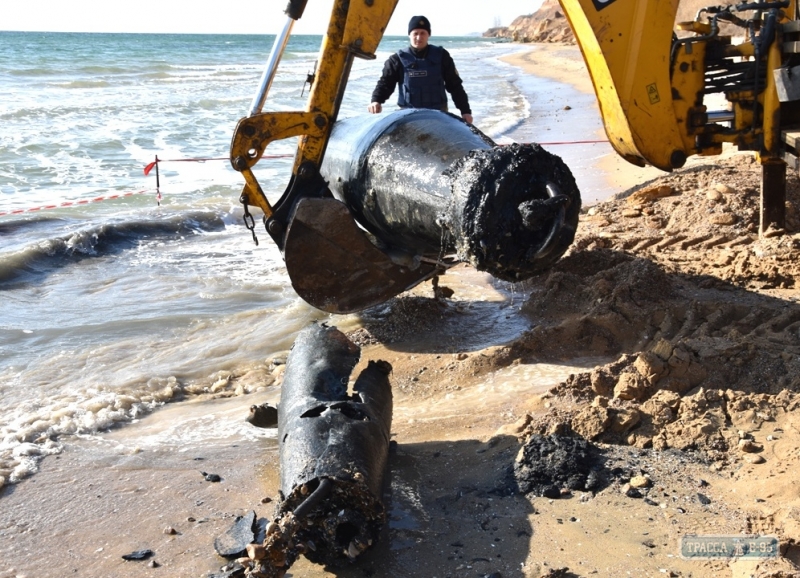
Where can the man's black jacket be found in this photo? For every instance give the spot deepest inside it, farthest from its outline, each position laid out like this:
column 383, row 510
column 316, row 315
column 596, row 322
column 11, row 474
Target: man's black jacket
column 393, row 74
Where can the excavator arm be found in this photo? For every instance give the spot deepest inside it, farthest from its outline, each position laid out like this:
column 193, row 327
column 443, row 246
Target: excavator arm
column 355, row 29
column 626, row 46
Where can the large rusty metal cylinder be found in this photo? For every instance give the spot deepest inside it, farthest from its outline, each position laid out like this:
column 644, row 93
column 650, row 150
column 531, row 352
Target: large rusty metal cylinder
column 334, row 449
column 427, row 183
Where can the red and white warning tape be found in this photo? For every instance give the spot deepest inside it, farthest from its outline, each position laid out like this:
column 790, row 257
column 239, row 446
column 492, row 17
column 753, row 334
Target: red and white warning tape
column 73, row 203
column 147, row 170
column 156, row 162
column 572, row 142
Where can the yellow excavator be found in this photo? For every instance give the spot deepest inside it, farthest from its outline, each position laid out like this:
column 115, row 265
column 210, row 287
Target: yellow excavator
column 653, row 78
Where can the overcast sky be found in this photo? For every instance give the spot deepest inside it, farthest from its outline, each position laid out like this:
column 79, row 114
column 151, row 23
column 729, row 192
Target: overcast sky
column 448, row 17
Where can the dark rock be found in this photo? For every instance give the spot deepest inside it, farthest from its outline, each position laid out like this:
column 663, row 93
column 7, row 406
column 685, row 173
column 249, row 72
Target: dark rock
column 235, row 540
column 211, row 477
column 703, row 499
column 551, row 492
column 261, row 530
column 630, row 491
column 138, row 555
column 559, row 573
column 232, row 570
column 264, row 415
column 549, row 463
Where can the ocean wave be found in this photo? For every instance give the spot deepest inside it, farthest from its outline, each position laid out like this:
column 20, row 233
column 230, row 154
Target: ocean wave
column 96, row 69
column 34, row 432
column 39, row 259
column 83, row 84
column 24, row 225
column 32, row 72
column 157, row 75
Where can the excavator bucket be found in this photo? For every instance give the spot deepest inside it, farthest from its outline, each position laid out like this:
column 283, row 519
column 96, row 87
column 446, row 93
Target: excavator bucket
column 335, row 267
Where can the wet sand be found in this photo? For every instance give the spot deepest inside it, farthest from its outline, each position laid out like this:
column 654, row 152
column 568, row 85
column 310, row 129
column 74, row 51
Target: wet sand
column 120, row 492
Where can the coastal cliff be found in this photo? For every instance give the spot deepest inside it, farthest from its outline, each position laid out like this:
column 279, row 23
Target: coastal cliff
column 549, row 24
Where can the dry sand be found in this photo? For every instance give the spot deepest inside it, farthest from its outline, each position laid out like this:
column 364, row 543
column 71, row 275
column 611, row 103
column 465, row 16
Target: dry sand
column 669, row 336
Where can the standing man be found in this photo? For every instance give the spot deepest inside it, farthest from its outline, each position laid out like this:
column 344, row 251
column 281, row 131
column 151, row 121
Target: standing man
column 423, row 72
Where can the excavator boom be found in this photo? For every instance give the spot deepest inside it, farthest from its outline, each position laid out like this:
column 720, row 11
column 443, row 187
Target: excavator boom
column 626, row 46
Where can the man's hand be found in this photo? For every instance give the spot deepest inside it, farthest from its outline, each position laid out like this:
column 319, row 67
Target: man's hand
column 374, row 107
column 467, row 117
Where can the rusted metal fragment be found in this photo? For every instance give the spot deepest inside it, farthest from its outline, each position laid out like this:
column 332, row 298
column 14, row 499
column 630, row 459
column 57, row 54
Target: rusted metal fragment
column 334, row 448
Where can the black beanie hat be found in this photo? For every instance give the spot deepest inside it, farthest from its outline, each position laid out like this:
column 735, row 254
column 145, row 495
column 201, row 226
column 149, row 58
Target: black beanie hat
column 419, row 22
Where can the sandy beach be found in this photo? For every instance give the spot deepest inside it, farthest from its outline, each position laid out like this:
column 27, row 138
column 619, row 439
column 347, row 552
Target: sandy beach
column 476, row 378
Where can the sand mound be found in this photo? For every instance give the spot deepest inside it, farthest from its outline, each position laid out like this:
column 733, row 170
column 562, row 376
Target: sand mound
column 672, row 278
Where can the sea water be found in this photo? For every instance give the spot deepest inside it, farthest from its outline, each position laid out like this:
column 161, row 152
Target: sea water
column 111, row 303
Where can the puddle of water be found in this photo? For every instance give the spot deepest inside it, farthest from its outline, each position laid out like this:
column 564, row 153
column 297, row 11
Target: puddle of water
column 407, row 512
column 496, row 393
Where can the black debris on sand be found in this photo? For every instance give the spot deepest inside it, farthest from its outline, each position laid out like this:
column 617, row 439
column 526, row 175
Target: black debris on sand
column 549, row 464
